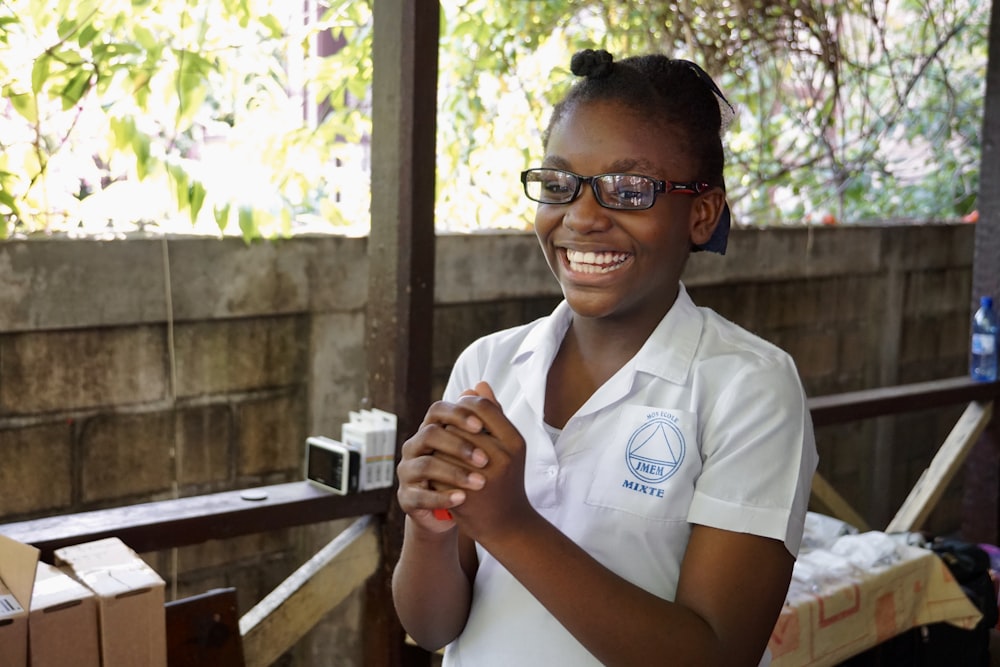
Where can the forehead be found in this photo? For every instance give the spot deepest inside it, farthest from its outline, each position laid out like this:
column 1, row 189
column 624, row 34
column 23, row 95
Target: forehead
column 598, row 137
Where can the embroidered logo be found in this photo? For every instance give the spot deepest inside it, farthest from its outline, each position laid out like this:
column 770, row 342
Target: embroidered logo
column 656, row 449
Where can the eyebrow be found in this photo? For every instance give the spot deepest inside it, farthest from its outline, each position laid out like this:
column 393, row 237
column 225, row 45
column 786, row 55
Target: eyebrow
column 628, row 165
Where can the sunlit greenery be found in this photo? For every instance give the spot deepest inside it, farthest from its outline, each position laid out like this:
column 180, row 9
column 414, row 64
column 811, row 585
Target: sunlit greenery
column 253, row 116
column 136, row 113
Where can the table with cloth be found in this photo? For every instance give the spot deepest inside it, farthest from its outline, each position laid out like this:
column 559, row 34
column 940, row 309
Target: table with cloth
column 851, row 592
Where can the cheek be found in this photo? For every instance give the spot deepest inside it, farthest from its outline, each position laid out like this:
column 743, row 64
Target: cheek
column 669, row 240
column 546, row 220
column 545, row 223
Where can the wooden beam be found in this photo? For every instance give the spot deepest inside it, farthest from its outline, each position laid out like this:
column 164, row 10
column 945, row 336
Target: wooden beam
column 183, row 521
column 292, row 609
column 401, row 245
column 949, row 458
column 856, row 405
column 986, row 256
column 981, row 486
column 981, row 502
column 834, row 504
column 401, row 249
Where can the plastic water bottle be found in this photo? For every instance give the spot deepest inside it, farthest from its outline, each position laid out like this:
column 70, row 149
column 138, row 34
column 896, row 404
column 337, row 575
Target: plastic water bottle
column 983, row 360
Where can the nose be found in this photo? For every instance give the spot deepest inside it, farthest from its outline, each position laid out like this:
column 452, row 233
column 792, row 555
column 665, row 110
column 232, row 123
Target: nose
column 584, row 214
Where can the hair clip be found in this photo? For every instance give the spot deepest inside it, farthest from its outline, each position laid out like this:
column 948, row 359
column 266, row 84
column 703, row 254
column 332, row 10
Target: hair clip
column 726, row 110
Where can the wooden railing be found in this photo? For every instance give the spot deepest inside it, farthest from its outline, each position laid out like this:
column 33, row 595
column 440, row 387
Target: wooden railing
column 278, row 621
column 975, row 420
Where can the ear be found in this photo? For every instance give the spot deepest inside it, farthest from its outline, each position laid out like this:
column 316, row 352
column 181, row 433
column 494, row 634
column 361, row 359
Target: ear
column 705, row 213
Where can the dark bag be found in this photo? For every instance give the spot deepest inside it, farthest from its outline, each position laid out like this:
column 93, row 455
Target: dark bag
column 941, row 644
column 944, row 644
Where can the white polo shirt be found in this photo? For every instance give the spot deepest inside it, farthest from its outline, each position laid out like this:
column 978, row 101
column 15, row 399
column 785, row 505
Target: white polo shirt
column 707, row 424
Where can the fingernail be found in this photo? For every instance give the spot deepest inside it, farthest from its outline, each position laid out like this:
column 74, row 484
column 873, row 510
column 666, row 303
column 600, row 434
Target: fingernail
column 479, row 458
column 474, row 424
column 475, row 480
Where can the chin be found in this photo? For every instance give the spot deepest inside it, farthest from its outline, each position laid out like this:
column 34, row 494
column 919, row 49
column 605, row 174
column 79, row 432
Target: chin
column 591, row 306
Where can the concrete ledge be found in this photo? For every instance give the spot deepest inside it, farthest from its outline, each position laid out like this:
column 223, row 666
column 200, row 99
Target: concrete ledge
column 56, row 284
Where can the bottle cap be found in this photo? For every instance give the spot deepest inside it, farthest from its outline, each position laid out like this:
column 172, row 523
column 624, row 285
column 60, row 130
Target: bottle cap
column 986, row 301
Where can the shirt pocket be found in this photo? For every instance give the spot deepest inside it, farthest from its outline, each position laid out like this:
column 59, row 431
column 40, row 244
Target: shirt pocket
column 649, row 464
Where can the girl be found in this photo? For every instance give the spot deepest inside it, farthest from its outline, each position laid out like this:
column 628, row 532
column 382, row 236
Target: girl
column 626, row 479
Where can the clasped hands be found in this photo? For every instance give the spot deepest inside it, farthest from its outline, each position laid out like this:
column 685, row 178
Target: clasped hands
column 466, row 458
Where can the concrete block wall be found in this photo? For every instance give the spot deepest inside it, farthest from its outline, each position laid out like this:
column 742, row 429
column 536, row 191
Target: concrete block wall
column 146, row 369
column 143, row 369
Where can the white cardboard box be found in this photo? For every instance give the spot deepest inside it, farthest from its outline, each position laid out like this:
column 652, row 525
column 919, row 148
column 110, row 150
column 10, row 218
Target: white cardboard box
column 130, row 597
column 62, row 625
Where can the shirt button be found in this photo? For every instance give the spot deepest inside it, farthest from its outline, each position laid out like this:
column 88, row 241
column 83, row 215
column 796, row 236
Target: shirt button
column 552, row 471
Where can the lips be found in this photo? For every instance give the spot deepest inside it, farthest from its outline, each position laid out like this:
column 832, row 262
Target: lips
column 595, row 262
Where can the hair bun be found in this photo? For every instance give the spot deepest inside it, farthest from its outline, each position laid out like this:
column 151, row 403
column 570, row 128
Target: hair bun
column 592, row 64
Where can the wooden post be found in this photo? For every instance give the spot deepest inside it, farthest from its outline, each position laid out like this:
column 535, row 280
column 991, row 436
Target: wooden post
column 986, row 257
column 980, row 515
column 981, row 503
column 401, row 261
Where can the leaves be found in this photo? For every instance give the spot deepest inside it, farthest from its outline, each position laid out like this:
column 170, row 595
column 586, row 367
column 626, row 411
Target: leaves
column 844, row 106
column 248, row 223
column 40, row 72
column 221, row 214
column 192, row 86
column 23, row 103
column 75, row 89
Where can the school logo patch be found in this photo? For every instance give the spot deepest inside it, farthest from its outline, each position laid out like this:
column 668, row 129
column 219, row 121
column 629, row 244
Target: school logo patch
column 656, row 449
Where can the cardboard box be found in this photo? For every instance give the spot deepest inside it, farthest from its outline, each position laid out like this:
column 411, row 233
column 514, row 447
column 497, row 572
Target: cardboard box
column 62, row 625
column 17, row 578
column 129, row 598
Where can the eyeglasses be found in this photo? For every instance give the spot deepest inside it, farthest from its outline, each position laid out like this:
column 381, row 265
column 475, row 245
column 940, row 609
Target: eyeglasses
column 621, row 192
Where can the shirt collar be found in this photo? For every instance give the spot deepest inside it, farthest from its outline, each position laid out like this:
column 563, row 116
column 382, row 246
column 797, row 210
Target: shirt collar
column 670, row 350
column 543, row 341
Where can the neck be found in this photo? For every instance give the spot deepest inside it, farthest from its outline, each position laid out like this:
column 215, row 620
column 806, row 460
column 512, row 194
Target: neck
column 619, row 337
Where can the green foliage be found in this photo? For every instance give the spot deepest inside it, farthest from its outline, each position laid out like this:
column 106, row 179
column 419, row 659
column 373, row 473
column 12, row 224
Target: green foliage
column 135, row 112
column 861, row 110
column 124, row 112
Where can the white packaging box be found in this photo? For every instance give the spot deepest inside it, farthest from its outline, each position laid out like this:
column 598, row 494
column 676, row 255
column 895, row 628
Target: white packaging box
column 373, row 433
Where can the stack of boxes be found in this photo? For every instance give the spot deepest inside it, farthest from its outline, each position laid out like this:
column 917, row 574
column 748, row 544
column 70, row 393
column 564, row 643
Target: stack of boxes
column 99, row 606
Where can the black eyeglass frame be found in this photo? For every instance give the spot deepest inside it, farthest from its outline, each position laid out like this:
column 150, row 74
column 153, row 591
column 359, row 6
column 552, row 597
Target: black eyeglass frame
column 662, row 187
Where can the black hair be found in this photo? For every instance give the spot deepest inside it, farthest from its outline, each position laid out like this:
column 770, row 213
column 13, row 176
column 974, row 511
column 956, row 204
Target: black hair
column 660, row 89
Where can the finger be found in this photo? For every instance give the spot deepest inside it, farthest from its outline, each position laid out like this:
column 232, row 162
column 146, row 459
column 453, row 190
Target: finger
column 459, row 474
column 496, row 426
column 454, row 414
column 414, row 499
column 486, row 391
column 439, row 473
column 434, row 438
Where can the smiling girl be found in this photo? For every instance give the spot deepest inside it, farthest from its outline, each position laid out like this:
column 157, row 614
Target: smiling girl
column 627, row 478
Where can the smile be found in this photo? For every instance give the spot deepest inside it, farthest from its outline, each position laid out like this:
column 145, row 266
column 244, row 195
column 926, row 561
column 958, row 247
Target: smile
column 595, row 262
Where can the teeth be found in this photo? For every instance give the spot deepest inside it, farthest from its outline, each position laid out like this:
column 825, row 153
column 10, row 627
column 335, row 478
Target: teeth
column 595, row 262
